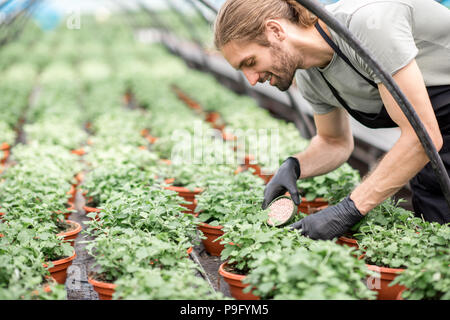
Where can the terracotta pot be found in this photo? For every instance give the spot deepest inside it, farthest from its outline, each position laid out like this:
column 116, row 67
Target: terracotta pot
column 228, row 136
column 385, row 292
column 105, row 290
column 68, row 211
column 5, row 157
column 235, row 284
column 79, row 177
column 70, row 236
column 127, row 97
column 73, row 194
column 4, row 146
column 79, row 152
column 186, row 194
column 166, row 161
column 212, row 117
column 266, row 177
column 151, row 139
column 312, row 206
column 399, row 295
column 59, row 269
column 90, row 209
column 347, row 242
column 211, row 233
column 46, row 288
column 183, row 97
column 144, row 132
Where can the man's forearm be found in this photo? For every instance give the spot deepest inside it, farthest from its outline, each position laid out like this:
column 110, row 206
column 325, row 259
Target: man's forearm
column 398, row 166
column 323, row 156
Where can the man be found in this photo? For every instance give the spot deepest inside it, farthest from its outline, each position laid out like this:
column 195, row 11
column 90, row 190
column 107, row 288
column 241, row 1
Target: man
column 275, row 40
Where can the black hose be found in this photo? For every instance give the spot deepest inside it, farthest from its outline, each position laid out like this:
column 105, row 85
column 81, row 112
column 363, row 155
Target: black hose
column 436, row 162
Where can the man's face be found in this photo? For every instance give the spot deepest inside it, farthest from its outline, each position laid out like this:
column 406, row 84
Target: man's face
column 261, row 63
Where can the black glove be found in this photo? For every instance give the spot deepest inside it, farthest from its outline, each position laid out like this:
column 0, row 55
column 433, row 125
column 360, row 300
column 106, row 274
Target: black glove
column 331, row 222
column 285, row 179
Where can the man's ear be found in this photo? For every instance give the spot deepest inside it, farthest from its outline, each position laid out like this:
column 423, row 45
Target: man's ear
column 274, row 30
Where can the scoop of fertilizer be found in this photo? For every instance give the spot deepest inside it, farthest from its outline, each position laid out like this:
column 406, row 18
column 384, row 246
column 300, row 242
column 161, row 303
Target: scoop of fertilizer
column 281, row 211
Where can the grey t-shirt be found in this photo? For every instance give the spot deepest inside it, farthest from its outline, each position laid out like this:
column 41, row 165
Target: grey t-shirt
column 396, row 32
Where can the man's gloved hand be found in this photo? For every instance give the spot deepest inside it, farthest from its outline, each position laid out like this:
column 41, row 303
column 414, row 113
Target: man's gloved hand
column 285, row 179
column 331, row 222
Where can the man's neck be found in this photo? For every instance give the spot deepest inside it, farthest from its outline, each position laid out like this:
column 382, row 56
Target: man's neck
column 314, row 50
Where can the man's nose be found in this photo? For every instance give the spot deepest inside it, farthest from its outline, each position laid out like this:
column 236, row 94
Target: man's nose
column 251, row 76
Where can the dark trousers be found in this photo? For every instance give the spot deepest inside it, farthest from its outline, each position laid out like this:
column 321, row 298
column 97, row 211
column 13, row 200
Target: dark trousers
column 428, row 200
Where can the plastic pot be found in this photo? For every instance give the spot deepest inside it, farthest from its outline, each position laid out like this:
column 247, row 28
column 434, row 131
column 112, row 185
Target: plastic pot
column 90, row 209
column 79, row 152
column 70, row 236
column 105, row 290
column 166, row 161
column 186, row 194
column 73, row 193
column 211, row 233
column 59, row 269
column 381, row 285
column 347, row 242
column 151, row 139
column 312, row 206
column 235, row 284
column 79, row 177
column 212, row 117
column 4, row 146
column 399, row 295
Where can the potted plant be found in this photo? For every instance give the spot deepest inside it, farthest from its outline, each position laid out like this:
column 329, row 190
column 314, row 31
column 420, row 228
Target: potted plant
column 120, row 251
column 391, row 251
column 319, row 190
column 161, row 284
column 154, row 210
column 429, row 280
column 227, row 199
column 387, row 214
column 245, row 241
column 313, row 270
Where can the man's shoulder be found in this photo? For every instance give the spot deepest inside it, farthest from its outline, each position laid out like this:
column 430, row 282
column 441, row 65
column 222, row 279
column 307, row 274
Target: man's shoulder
column 346, row 10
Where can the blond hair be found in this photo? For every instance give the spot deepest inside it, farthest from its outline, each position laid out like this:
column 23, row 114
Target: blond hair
column 244, row 20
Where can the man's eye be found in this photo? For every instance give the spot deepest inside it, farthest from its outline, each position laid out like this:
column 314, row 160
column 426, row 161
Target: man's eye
column 250, row 63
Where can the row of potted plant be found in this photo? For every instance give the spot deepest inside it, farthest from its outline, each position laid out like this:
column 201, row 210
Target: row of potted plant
column 36, row 194
column 140, row 227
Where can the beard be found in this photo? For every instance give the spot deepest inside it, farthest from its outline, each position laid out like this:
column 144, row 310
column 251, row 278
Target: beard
column 284, row 67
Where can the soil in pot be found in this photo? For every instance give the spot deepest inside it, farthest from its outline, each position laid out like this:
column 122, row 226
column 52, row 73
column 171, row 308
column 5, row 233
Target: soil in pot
column 235, row 284
column 211, row 233
column 71, row 231
column 104, row 289
column 59, row 269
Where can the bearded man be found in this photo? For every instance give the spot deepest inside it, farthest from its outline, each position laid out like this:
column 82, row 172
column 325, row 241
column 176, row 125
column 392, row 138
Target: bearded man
column 275, row 40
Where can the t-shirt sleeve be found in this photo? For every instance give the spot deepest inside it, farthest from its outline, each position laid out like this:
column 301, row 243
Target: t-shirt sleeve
column 320, row 107
column 386, row 30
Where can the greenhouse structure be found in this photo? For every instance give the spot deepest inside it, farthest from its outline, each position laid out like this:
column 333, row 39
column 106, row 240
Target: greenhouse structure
column 138, row 163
